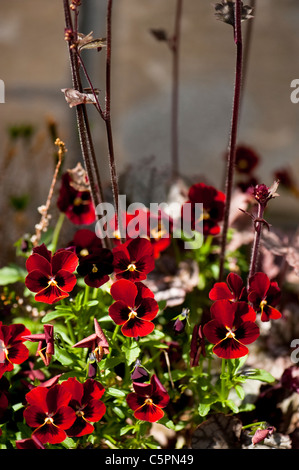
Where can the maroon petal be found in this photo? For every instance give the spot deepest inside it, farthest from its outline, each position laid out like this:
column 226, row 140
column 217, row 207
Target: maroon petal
column 247, row 332
column 65, row 280
column 125, row 291
column 270, row 313
column 259, row 283
column 148, row 309
column 64, row 259
column 149, row 412
column 36, row 281
column 57, row 397
column 137, row 327
column 135, row 401
column 50, row 433
column 80, row 428
column 119, row 312
column 50, row 295
column 94, row 411
column 220, row 291
column 36, row 262
column 34, row 416
column 229, row 348
column 18, row 353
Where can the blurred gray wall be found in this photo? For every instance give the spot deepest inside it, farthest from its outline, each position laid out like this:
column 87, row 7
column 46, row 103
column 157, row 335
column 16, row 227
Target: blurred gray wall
column 34, row 66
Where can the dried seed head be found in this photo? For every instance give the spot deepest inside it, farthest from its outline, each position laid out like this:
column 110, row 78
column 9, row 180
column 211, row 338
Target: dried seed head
column 225, row 11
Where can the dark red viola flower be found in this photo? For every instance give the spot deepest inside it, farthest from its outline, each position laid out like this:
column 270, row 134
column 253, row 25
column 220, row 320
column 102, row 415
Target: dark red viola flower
column 86, row 404
column 147, row 400
column 139, row 374
column 96, row 267
column 85, row 242
column 75, row 203
column 197, row 347
column 246, row 159
column 50, row 276
column 45, row 340
column 31, row 443
column 49, row 412
column 134, row 259
column 159, row 228
column 134, row 309
column 290, row 378
column 96, row 343
column 213, row 208
column 233, row 290
column 127, row 230
column 13, row 351
column 264, row 296
column 232, row 327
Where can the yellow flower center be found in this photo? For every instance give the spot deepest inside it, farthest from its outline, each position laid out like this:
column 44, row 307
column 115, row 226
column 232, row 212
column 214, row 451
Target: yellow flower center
column 84, row 252
column 132, row 314
column 49, row 420
column 80, row 413
column 94, row 268
column 52, row 282
column 132, row 267
column 230, row 333
column 77, row 201
column 263, row 304
column 148, row 401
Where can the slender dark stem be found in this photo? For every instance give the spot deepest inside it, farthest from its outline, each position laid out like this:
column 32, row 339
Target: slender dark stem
column 82, row 121
column 175, row 45
column 234, row 131
column 107, row 114
column 256, row 243
column 247, row 46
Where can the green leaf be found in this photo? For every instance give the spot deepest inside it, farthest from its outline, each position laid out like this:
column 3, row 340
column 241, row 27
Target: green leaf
column 203, row 409
column 240, row 391
column 64, row 357
column 11, row 274
column 118, row 412
column 260, row 374
column 131, row 352
column 57, row 314
column 232, row 406
column 115, row 392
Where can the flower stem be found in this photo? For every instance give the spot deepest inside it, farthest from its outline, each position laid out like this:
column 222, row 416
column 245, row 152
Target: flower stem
column 57, row 231
column 223, row 379
column 175, row 43
column 233, row 132
column 256, row 243
column 107, row 116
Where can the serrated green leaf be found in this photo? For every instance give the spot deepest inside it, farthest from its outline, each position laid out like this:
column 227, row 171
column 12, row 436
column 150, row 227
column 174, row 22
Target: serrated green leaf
column 131, row 352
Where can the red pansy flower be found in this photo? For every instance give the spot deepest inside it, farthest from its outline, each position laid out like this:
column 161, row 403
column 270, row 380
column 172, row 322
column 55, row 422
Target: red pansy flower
column 85, row 242
column 145, row 224
column 134, row 308
column 232, row 327
column 96, row 267
column 147, row 400
column 134, row 259
column 232, row 290
column 86, row 404
column 213, row 208
column 12, row 349
column 139, row 374
column 51, row 276
column 49, row 413
column 45, row 343
column 76, row 204
column 264, row 295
